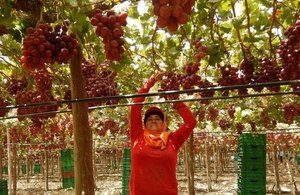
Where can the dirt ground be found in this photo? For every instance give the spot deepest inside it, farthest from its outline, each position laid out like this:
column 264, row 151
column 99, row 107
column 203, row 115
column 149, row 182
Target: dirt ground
column 110, row 183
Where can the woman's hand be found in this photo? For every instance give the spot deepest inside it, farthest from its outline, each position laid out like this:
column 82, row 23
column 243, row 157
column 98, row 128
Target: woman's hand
column 157, row 76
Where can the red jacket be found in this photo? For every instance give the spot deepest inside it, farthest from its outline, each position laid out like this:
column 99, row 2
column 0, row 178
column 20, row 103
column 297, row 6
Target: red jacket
column 153, row 171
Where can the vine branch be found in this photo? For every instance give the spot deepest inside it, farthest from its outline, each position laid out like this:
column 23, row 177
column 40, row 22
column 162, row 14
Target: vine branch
column 238, row 32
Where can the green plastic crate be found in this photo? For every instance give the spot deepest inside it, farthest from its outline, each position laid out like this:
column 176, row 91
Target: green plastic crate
column 126, row 171
column 250, row 139
column 67, row 158
column 37, row 168
column 3, row 187
column 68, row 182
column 298, row 159
column 67, row 168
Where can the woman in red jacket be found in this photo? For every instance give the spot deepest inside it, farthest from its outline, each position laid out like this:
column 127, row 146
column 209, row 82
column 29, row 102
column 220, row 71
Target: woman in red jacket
column 153, row 149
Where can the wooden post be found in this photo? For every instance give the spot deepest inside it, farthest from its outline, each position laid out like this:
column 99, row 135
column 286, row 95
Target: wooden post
column 215, row 155
column 292, row 180
column 191, row 165
column 27, row 167
column 59, row 166
column 14, row 167
column 276, row 171
column 1, row 162
column 83, row 145
column 207, row 162
column 46, row 167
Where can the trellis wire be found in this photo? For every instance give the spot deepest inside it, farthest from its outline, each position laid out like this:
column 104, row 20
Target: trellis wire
column 161, row 93
column 154, row 102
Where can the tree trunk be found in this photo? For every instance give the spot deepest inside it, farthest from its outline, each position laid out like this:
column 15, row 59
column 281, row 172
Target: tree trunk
column 1, row 164
column 13, row 168
column 289, row 171
column 83, row 145
column 190, row 165
column 27, row 167
column 276, row 171
column 46, row 167
column 215, row 155
column 207, row 162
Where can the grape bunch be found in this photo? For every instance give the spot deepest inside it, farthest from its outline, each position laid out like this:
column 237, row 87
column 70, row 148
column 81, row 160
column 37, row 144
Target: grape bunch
column 28, row 97
column 205, row 84
column 109, row 124
column 15, row 85
column 229, row 76
column 43, row 79
column 212, row 113
column 100, row 84
column 109, row 28
column 172, row 13
column 245, row 75
column 239, row 127
column 170, row 81
column 289, row 52
column 190, row 78
column 290, row 112
column 45, row 45
column 268, row 72
column 224, row 124
column 201, row 50
column 230, row 110
column 3, row 103
column 265, row 118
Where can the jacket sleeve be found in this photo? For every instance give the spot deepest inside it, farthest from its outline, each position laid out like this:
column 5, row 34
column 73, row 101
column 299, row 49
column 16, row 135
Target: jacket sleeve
column 136, row 124
column 185, row 130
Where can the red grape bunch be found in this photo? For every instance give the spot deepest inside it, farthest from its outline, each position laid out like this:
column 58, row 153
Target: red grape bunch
column 290, row 112
column 170, row 81
column 3, row 103
column 43, row 79
column 109, row 28
column 245, row 75
column 212, row 113
column 172, row 13
column 100, row 84
column 224, row 124
column 109, row 124
column 229, row 76
column 204, row 83
column 289, row 52
column 201, row 50
column 28, row 97
column 190, row 79
column 15, row 85
column 45, row 45
column 268, row 72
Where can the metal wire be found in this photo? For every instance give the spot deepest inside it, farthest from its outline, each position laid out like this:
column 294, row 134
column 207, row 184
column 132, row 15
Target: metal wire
column 154, row 102
column 161, row 93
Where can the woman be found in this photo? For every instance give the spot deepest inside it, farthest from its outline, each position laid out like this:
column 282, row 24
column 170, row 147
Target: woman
column 153, row 149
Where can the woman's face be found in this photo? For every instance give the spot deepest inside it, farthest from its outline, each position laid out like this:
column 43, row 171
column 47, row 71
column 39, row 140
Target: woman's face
column 153, row 122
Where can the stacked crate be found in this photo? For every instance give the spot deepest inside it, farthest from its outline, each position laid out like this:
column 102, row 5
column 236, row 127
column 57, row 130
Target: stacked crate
column 37, row 168
column 251, row 159
column 3, row 187
column 298, row 159
column 126, row 171
column 67, row 168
